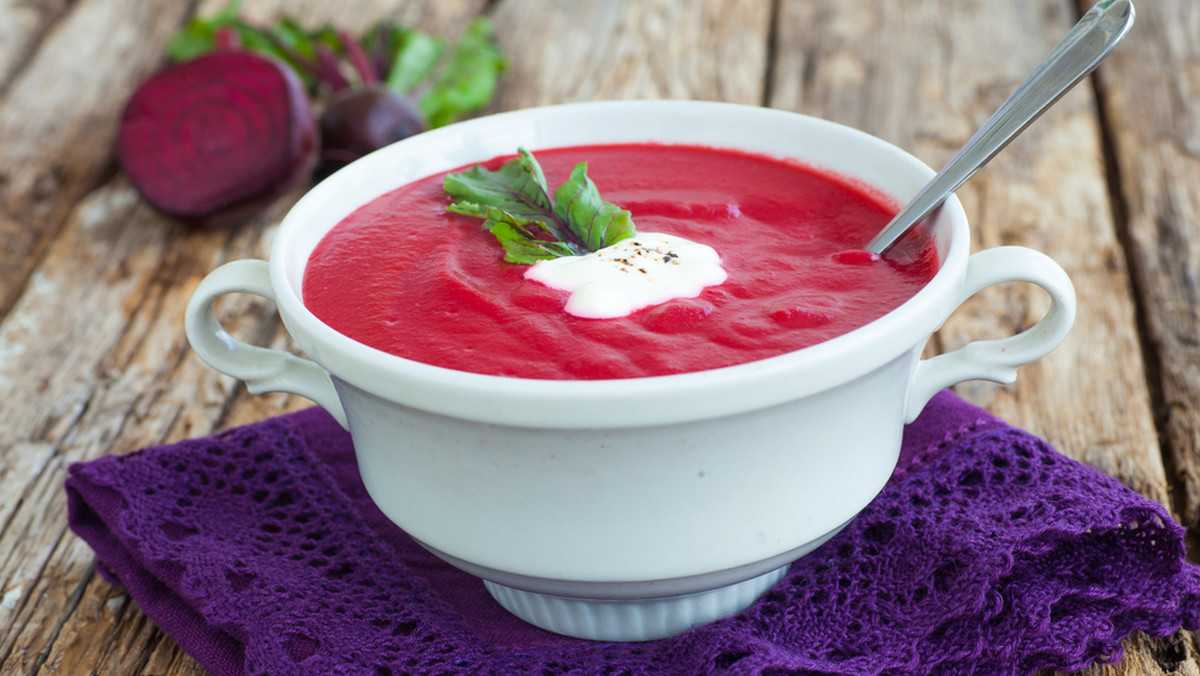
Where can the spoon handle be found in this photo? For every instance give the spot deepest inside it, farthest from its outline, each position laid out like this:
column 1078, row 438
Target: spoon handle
column 1076, row 55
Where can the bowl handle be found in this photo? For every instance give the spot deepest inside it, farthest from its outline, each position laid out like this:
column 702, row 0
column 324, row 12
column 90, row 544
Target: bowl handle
column 997, row 360
column 263, row 369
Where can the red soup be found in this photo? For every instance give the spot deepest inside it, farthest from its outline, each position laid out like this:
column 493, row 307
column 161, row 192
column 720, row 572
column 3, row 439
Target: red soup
column 403, row 275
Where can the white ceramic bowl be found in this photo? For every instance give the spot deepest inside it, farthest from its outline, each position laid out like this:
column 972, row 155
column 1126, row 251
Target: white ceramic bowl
column 629, row 509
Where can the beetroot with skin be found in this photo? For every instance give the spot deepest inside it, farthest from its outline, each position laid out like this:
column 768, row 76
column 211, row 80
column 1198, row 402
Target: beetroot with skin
column 223, row 130
column 363, row 119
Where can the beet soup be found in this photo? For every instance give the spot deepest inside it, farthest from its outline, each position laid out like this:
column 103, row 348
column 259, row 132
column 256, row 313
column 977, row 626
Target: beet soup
column 403, row 275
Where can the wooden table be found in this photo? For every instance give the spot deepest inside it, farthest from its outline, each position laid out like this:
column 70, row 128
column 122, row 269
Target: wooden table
column 93, row 283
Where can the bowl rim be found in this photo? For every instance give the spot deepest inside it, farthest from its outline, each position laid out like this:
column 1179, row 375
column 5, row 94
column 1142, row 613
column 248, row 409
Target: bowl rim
column 506, row 400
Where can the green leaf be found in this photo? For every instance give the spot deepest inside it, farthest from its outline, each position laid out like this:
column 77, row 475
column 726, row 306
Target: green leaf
column 445, row 82
column 518, row 187
column 189, row 43
column 594, row 222
column 515, row 205
column 329, row 36
column 263, row 42
column 291, row 35
column 414, row 59
column 520, row 245
column 468, row 81
column 194, row 39
column 198, row 37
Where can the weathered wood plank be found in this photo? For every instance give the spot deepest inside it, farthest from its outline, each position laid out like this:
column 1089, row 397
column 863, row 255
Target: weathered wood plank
column 99, row 397
column 92, row 284
column 100, row 328
column 1150, row 90
column 22, row 24
column 57, row 119
column 588, row 51
column 925, row 83
column 439, row 18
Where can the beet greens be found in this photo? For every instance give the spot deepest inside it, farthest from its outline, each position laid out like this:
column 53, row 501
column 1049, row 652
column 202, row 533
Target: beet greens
column 439, row 81
column 245, row 112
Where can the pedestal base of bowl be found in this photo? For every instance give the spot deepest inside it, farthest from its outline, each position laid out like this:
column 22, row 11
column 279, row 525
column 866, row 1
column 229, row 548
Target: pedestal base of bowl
column 633, row 611
column 631, row 619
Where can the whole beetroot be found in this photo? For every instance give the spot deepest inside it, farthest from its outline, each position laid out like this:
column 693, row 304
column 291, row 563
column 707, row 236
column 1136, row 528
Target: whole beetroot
column 363, row 119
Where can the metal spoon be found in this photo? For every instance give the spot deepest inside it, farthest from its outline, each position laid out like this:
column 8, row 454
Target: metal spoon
column 1079, row 52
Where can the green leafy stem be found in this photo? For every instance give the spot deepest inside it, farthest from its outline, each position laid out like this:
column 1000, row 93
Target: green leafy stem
column 515, row 205
column 447, row 81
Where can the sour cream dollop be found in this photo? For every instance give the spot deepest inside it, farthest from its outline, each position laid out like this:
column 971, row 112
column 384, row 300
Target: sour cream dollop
column 644, row 270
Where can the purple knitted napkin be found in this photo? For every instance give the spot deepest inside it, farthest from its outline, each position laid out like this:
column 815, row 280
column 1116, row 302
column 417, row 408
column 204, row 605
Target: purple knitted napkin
column 259, row 552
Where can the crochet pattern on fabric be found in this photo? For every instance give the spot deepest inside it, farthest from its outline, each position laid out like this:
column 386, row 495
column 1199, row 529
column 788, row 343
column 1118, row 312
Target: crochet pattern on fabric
column 988, row 552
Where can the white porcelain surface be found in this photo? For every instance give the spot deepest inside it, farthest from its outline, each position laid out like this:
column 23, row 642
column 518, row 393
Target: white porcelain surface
column 639, row 483
column 632, row 620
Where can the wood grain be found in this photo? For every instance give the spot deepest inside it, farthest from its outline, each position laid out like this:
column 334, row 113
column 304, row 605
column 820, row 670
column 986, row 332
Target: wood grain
column 22, row 25
column 57, row 119
column 587, row 51
column 1150, row 92
column 93, row 359
column 98, row 325
column 925, row 84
